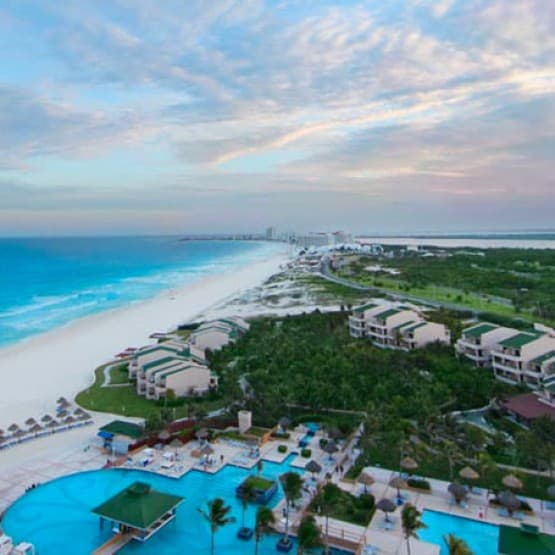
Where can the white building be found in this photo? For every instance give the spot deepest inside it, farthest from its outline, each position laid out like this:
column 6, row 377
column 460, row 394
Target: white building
column 152, row 353
column 182, row 375
column 524, row 357
column 477, row 342
column 215, row 334
column 395, row 325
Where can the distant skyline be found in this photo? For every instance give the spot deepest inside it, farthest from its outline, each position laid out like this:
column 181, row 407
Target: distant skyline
column 143, row 117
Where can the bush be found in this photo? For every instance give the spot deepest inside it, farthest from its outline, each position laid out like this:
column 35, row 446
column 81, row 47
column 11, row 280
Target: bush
column 281, row 435
column 323, row 442
column 419, row 484
column 282, row 448
column 306, row 453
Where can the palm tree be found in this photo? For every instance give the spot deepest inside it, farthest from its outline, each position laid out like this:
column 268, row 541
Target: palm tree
column 248, row 495
column 308, row 534
column 328, row 498
column 456, row 546
column 411, row 523
column 264, row 520
column 216, row 516
column 292, row 484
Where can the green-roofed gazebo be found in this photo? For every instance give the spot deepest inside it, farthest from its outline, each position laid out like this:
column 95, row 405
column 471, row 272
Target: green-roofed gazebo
column 139, row 510
column 122, row 428
column 526, row 540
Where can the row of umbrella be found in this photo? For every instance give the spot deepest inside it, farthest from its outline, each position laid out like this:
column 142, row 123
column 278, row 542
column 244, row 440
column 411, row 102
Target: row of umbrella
column 33, row 426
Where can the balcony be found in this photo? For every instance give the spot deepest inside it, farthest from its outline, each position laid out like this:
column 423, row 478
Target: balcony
column 506, row 366
column 507, row 377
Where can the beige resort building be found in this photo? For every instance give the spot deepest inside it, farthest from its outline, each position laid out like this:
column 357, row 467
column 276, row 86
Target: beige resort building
column 396, row 326
column 526, row 357
column 180, row 365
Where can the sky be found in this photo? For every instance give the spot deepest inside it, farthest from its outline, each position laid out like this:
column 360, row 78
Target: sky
column 186, row 116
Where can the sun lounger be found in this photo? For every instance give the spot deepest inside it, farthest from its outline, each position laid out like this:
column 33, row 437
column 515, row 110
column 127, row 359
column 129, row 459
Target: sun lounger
column 370, row 550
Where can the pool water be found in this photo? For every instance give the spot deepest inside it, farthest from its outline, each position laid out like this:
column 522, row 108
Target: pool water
column 56, row 517
column 481, row 537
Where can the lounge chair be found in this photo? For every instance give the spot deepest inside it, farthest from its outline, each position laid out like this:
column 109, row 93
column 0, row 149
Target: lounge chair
column 370, row 550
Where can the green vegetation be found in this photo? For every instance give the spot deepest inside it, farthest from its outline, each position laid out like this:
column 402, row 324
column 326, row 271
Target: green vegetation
column 343, row 506
column 411, row 523
column 119, row 374
column 216, row 514
column 282, row 448
column 506, row 282
column 257, row 483
column 306, row 453
column 308, row 367
column 125, row 401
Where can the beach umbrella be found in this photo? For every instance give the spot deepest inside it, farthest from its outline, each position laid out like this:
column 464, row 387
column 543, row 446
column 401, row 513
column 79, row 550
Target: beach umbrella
column 387, row 506
column 83, row 415
column 468, row 473
column 35, row 428
column 69, row 419
column 61, row 400
column 30, row 422
column 458, row 491
column 408, row 463
column 164, row 435
column 366, row 480
column 398, row 483
column 1, row 432
column 509, row 500
column 330, row 447
column 62, row 413
column 284, row 422
column 176, row 443
column 19, row 433
column 3, row 439
column 313, row 467
column 13, row 428
column 52, row 424
column 196, row 453
column 207, row 450
column 46, row 418
column 551, row 491
column 63, row 404
column 78, row 411
column 512, row 482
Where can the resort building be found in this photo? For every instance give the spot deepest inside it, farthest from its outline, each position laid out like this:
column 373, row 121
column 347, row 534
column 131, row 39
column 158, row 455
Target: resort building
column 118, row 435
column 182, row 375
column 478, row 341
column 395, row 326
column 214, row 335
column 524, row 357
column 152, row 353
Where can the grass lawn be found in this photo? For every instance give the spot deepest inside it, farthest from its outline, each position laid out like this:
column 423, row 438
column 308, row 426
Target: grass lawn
column 125, row 401
column 119, row 375
column 258, row 483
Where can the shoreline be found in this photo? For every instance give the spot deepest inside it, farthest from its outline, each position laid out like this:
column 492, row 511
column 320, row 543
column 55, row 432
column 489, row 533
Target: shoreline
column 62, row 361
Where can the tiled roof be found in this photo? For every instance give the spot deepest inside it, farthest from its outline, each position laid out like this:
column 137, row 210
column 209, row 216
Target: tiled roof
column 528, row 406
column 479, row 330
column 520, row 339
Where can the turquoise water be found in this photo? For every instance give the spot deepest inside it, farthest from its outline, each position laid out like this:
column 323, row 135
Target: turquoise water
column 481, row 537
column 46, row 283
column 56, row 516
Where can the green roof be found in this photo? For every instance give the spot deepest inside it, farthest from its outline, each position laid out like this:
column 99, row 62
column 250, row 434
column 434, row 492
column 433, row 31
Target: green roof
column 415, row 326
column 479, row 330
column 366, row 306
column 520, row 339
column 162, row 361
column 386, row 314
column 541, row 359
column 160, row 347
column 514, row 541
column 402, row 325
column 138, row 506
column 122, row 428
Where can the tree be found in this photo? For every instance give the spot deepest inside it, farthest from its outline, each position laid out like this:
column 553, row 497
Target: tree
column 216, row 516
column 411, row 522
column 292, row 485
column 328, row 499
column 456, row 546
column 452, row 454
column 263, row 525
column 248, row 495
column 259, row 466
column 308, row 534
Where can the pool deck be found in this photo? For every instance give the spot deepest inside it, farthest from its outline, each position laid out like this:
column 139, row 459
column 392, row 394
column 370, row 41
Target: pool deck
column 77, row 450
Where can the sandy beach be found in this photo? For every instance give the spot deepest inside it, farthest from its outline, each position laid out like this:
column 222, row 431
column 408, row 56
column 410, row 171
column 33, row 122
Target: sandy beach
column 37, row 371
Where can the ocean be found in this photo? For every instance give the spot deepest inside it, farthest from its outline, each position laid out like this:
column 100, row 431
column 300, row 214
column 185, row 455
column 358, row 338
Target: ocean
column 48, row 282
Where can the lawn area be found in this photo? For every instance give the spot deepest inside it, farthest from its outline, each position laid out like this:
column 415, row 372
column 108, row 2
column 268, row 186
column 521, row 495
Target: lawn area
column 119, row 374
column 258, row 483
column 125, row 401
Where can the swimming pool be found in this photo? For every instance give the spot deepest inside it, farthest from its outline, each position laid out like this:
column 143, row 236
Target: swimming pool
column 481, row 537
column 56, row 517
